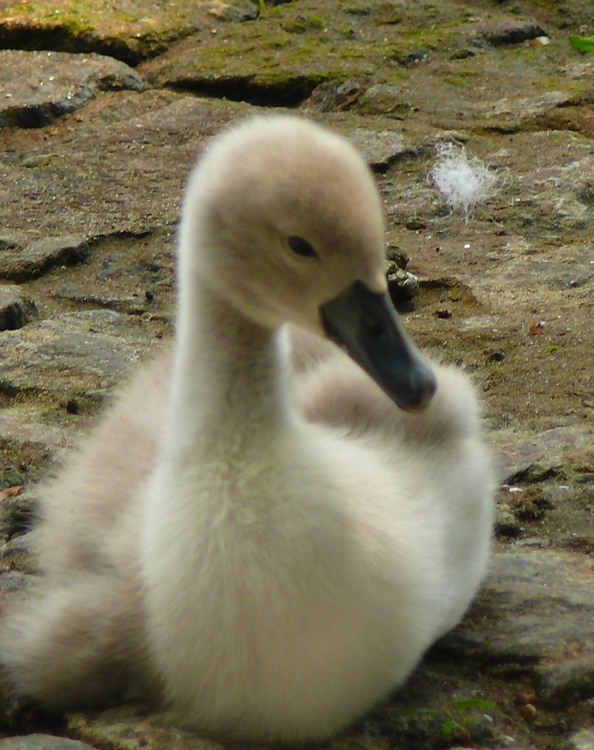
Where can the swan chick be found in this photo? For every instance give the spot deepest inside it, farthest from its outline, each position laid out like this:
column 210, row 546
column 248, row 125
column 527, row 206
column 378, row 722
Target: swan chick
column 262, row 536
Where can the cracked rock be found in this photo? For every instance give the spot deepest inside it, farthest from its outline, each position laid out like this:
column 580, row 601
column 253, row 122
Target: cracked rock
column 26, row 260
column 16, row 308
column 535, row 609
column 38, row 87
column 508, row 31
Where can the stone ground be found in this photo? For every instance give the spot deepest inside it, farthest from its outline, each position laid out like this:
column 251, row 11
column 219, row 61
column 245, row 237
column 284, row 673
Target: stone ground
column 102, row 113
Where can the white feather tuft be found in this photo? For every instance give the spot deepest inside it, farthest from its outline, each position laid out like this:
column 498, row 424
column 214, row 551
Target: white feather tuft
column 462, row 181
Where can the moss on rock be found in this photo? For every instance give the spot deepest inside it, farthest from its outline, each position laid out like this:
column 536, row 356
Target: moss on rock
column 129, row 30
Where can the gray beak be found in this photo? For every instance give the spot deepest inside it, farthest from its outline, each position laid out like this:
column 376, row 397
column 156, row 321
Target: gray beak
column 366, row 326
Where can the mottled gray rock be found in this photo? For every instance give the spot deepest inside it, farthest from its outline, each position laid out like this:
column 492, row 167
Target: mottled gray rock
column 38, row 87
column 22, row 260
column 16, row 555
column 130, row 31
column 583, row 740
column 447, row 98
column 288, row 78
column 127, row 178
column 20, row 427
column 16, row 514
column 551, row 196
column 535, row 608
column 127, row 728
column 563, row 684
column 532, row 458
column 381, row 148
column 331, row 96
column 508, row 106
column 402, row 284
column 507, row 524
column 505, row 31
column 16, row 307
column 13, row 581
column 42, row 742
column 76, row 354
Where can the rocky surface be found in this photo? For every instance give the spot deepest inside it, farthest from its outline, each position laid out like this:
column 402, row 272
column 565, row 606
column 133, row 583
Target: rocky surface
column 38, row 87
column 130, row 31
column 94, row 154
column 583, row 740
column 42, row 742
column 16, row 307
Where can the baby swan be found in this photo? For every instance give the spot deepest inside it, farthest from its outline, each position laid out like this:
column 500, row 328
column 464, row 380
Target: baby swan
column 257, row 537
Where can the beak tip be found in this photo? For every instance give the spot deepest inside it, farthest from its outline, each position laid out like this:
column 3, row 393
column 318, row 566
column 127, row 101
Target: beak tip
column 423, row 397
column 365, row 325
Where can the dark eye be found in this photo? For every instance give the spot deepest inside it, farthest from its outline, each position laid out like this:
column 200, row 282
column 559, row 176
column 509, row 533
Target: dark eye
column 301, row 247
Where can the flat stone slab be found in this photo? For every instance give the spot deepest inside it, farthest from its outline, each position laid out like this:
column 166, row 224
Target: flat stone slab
column 126, row 728
column 42, row 742
column 103, row 181
column 22, row 260
column 80, row 354
column 380, row 62
column 534, row 457
column 583, row 740
column 18, row 428
column 128, row 178
column 129, row 31
column 535, row 609
column 38, row 87
column 382, row 148
column 505, row 31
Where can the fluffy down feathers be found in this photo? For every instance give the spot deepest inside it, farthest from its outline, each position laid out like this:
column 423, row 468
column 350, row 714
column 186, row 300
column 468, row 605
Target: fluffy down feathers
column 254, row 536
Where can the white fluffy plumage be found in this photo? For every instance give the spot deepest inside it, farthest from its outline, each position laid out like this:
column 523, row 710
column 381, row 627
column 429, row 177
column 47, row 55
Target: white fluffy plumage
column 254, row 535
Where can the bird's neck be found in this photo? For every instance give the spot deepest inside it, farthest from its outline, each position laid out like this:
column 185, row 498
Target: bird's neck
column 227, row 376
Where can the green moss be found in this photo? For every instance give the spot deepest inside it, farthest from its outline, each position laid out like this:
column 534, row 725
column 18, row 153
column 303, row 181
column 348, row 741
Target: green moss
column 127, row 30
column 461, row 79
column 300, row 24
